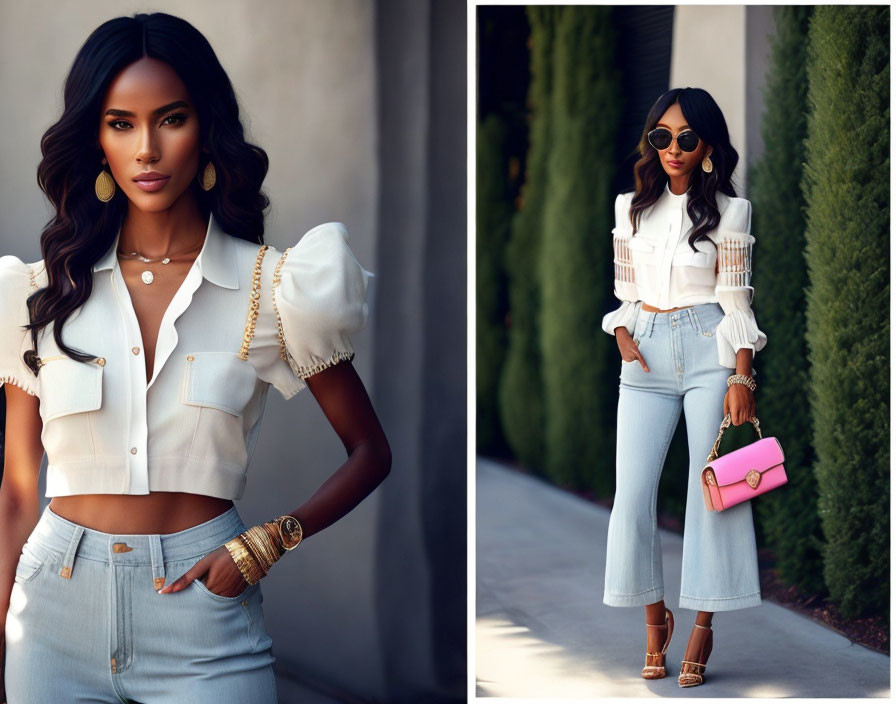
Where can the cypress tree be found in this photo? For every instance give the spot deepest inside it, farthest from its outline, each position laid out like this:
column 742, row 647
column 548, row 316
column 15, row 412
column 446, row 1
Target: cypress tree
column 846, row 184
column 788, row 518
column 521, row 391
column 493, row 214
column 575, row 275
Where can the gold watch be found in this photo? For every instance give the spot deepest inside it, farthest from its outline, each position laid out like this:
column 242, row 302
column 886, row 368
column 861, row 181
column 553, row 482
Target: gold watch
column 290, row 531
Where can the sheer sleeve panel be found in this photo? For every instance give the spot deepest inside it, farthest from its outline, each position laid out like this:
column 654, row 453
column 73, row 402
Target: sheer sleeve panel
column 734, row 250
column 625, row 287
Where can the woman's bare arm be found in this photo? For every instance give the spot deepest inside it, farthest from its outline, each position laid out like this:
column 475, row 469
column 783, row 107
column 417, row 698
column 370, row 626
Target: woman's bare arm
column 19, row 503
column 345, row 403
column 739, row 400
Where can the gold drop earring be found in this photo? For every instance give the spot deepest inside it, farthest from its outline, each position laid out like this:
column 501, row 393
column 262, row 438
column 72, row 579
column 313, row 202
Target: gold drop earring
column 104, row 186
column 209, row 177
column 707, row 164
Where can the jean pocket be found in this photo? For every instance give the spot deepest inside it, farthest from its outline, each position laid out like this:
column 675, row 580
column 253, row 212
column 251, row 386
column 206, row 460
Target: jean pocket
column 259, row 638
column 32, row 559
column 202, row 589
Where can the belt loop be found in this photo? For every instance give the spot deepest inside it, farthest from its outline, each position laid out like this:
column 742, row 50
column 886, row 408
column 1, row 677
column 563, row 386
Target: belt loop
column 158, row 562
column 650, row 323
column 68, row 561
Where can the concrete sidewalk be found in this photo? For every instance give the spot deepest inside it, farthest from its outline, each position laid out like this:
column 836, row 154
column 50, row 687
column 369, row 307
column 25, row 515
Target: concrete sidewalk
column 543, row 631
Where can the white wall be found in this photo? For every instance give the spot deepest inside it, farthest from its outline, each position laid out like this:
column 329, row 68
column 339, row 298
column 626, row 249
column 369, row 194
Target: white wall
column 304, row 73
column 709, row 52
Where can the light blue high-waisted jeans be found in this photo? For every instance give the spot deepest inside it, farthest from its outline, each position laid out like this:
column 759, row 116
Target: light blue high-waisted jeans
column 719, row 570
column 105, row 635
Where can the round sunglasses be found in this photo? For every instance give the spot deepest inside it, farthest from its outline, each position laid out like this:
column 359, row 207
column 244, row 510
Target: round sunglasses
column 661, row 138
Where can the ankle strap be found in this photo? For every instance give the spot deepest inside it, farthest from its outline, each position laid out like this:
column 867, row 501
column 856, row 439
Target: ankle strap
column 697, row 625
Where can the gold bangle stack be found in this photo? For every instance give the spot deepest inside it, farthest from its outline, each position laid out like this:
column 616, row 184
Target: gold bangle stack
column 744, row 379
column 256, row 549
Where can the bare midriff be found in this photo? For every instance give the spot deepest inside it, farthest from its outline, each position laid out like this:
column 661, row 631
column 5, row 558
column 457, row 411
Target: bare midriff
column 157, row 512
column 651, row 309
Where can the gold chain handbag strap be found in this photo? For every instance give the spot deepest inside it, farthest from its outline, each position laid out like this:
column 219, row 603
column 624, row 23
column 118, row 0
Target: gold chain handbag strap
column 254, row 300
column 726, row 422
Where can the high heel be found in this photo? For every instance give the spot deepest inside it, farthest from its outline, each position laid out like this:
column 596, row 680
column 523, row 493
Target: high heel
column 691, row 673
column 655, row 663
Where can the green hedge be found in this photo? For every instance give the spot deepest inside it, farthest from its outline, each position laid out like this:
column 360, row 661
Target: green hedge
column 493, row 214
column 521, row 391
column 788, row 519
column 576, row 247
column 846, row 186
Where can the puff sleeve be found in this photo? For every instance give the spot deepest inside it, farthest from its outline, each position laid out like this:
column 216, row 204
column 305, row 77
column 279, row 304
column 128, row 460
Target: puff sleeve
column 16, row 284
column 320, row 299
column 734, row 250
column 624, row 285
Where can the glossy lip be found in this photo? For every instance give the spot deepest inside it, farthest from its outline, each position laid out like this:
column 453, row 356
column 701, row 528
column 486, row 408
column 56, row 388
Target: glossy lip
column 150, row 176
column 151, row 181
column 675, row 164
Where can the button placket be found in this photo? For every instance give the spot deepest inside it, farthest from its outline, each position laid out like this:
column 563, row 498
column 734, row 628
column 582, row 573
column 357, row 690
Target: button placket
column 666, row 268
column 137, row 429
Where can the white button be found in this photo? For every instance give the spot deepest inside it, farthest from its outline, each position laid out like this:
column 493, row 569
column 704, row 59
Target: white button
column 133, row 450
column 135, row 350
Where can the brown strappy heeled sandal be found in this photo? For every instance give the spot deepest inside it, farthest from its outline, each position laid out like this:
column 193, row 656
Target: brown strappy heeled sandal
column 692, row 672
column 655, row 663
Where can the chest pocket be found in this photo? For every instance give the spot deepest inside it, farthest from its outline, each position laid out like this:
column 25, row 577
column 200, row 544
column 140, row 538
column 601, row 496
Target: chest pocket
column 641, row 248
column 704, row 258
column 68, row 386
column 218, row 380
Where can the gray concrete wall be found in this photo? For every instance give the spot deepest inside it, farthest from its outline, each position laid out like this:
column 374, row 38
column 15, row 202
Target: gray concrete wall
column 709, row 52
column 760, row 30
column 420, row 347
column 305, row 75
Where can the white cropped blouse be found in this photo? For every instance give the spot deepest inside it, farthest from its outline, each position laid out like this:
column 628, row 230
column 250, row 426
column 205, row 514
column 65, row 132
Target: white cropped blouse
column 657, row 266
column 247, row 317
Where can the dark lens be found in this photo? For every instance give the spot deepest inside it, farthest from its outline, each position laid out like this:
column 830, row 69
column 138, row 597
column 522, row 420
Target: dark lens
column 688, row 141
column 660, row 138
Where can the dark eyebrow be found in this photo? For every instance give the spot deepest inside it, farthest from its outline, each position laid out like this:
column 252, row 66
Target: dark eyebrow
column 157, row 111
column 660, row 124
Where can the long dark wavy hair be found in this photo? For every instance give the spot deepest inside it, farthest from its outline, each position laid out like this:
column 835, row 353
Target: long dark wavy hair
column 705, row 118
column 84, row 228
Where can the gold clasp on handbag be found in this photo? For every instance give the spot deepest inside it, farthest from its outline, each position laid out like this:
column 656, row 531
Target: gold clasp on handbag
column 753, row 477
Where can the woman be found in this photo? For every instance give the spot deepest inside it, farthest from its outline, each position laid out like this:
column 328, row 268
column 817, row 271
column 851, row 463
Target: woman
column 140, row 581
column 682, row 253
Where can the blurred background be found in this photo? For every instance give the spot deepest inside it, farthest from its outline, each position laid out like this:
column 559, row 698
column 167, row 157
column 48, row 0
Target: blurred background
column 563, row 93
column 354, row 101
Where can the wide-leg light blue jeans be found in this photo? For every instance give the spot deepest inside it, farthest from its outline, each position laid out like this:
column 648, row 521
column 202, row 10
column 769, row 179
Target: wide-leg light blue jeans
column 720, row 570
column 85, row 623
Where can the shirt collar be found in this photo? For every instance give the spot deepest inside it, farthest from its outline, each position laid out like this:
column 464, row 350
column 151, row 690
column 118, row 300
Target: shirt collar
column 676, row 199
column 217, row 260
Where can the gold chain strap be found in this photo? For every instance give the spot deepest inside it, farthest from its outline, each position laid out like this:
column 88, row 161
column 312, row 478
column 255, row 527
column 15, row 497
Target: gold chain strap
column 254, row 299
column 726, row 422
column 284, row 353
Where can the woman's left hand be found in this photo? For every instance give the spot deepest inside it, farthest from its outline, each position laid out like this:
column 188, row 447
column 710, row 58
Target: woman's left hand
column 740, row 403
column 223, row 577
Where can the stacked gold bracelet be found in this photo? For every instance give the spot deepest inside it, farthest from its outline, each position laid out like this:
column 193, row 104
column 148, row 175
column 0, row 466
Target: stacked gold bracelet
column 744, row 379
column 256, row 549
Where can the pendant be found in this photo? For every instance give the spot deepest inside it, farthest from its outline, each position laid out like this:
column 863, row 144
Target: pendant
column 147, row 277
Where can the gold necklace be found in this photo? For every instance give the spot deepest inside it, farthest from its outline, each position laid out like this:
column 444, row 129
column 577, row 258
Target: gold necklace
column 147, row 276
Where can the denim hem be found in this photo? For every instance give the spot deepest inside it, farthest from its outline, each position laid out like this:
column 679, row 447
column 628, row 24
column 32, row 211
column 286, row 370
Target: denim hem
column 651, row 596
column 731, row 603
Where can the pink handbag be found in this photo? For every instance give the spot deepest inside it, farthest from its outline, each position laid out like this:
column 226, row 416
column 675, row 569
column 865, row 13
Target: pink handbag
column 744, row 473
